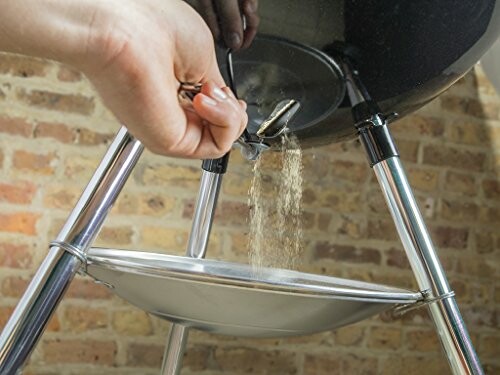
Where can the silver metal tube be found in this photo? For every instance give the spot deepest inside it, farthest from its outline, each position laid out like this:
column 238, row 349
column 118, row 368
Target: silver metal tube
column 427, row 267
column 197, row 247
column 53, row 277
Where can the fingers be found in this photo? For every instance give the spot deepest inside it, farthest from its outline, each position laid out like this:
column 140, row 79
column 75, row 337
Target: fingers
column 209, row 14
column 224, row 118
column 249, row 10
column 230, row 22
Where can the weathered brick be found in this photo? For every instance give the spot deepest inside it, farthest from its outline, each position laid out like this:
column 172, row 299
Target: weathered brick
column 488, row 346
column 14, row 286
column 80, row 168
column 59, row 132
column 408, row 150
column 115, row 236
column 16, row 126
column 384, row 338
column 247, row 360
column 459, row 211
column 68, row 74
column 418, row 126
column 61, row 196
column 352, row 335
column 170, row 175
column 422, row 341
column 486, row 242
column 236, row 185
column 468, row 133
column 132, row 322
column 333, row 364
column 155, row 204
column 22, row 66
column 15, row 255
column 471, row 107
column 68, row 103
column 94, row 352
column 410, row 365
column 397, row 258
column 21, row 192
column 464, row 183
column 350, row 227
column 82, row 319
column 381, row 230
column 165, row 238
column 450, row 237
column 19, row 222
column 43, row 164
column 87, row 289
column 446, row 156
column 326, row 250
column 475, row 266
column 491, row 189
column 89, row 137
column 145, row 355
column 423, row 179
column 196, row 357
column 350, row 171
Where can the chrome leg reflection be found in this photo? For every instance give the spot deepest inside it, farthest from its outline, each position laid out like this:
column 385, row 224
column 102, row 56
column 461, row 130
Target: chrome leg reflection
column 197, row 247
column 53, row 277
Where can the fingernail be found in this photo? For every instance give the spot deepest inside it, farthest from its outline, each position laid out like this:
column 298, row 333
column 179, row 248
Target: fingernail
column 208, row 100
column 234, row 40
column 218, row 94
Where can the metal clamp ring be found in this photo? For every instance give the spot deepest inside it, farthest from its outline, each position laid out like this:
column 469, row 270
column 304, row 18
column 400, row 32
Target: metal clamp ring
column 401, row 310
column 73, row 250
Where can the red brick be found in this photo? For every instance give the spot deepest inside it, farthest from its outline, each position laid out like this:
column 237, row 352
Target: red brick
column 450, row 237
column 22, row 66
column 19, row 222
column 21, row 192
column 491, row 189
column 418, row 126
column 459, row 211
column 115, row 236
column 381, row 230
column 63, row 197
column 350, row 171
column 471, row 107
column 422, row 341
column 145, row 355
column 15, row 256
column 69, row 103
column 397, row 258
column 59, row 132
column 86, row 289
column 247, row 360
column 445, row 156
column 91, row 138
column 469, row 133
column 464, row 183
column 37, row 163
column 94, row 352
column 68, row 74
column 14, row 286
column 15, row 126
column 81, row 319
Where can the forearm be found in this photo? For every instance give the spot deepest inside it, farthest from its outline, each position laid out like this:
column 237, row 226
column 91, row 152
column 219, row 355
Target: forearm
column 53, row 29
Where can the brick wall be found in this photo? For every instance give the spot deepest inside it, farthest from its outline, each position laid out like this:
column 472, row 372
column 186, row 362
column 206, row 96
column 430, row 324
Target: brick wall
column 54, row 131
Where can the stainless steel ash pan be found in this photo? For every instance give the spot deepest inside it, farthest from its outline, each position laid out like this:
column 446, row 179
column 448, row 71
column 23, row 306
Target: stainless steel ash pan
column 231, row 299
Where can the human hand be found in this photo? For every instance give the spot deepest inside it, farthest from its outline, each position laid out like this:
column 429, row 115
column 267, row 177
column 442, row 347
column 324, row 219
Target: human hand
column 136, row 53
column 225, row 19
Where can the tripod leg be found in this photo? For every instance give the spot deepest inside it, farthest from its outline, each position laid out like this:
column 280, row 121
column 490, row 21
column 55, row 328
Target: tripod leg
column 211, row 179
column 420, row 250
column 67, row 254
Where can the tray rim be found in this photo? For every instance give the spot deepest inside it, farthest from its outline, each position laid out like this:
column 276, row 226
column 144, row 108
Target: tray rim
column 129, row 261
